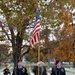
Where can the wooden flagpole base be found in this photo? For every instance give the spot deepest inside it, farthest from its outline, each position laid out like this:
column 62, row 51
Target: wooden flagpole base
column 38, row 60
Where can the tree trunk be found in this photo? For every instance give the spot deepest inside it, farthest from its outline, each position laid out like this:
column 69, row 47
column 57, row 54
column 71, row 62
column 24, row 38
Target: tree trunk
column 15, row 60
column 74, row 64
column 17, row 44
column 48, row 62
column 16, row 57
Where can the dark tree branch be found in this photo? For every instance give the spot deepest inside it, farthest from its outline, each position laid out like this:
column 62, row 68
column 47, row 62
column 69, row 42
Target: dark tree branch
column 5, row 32
column 24, row 46
column 27, row 51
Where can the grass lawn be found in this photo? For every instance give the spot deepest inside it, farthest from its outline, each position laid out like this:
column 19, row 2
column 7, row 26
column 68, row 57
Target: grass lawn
column 1, row 67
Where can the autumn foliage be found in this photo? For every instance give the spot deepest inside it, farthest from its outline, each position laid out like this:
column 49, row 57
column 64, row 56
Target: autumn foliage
column 57, row 23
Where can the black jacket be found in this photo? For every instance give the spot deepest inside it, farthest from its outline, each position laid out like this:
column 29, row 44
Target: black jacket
column 42, row 70
column 58, row 71
column 6, row 71
column 20, row 71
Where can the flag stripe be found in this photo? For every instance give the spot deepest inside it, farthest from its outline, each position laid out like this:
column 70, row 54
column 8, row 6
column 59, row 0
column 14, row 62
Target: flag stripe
column 36, row 28
column 36, row 31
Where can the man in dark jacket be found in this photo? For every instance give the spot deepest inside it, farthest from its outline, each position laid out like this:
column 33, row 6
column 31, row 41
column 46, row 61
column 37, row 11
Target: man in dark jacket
column 58, row 69
column 20, row 70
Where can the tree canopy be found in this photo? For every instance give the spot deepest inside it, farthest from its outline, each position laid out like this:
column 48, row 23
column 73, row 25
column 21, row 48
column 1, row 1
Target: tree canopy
column 56, row 18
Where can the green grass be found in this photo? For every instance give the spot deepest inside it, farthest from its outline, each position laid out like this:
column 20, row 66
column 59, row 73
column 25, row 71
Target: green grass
column 70, row 72
column 67, row 66
column 1, row 67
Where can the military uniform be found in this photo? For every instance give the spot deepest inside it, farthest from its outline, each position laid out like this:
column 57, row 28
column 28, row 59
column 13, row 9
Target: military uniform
column 42, row 70
column 20, row 71
column 6, row 71
column 58, row 71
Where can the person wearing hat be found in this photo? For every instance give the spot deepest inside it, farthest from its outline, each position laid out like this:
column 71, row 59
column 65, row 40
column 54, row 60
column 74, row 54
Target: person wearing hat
column 20, row 70
column 6, row 71
column 58, row 69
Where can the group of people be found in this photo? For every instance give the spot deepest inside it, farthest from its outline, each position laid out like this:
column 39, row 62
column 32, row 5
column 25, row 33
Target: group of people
column 21, row 70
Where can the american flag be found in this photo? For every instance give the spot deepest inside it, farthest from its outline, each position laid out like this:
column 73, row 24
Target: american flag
column 36, row 31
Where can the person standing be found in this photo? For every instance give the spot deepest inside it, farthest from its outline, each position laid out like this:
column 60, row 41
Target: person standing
column 6, row 71
column 42, row 69
column 20, row 70
column 58, row 69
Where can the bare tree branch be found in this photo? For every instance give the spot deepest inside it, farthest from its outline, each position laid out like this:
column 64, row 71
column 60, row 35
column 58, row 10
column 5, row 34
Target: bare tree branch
column 5, row 32
column 27, row 51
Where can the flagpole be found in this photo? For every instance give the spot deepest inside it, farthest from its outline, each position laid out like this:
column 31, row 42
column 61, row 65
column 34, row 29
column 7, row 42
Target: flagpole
column 39, row 46
column 36, row 36
column 38, row 60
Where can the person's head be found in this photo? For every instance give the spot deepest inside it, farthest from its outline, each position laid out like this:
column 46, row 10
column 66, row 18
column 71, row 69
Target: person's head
column 19, row 63
column 6, row 65
column 58, row 63
column 40, row 63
